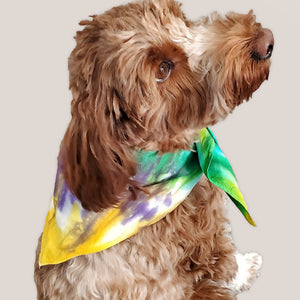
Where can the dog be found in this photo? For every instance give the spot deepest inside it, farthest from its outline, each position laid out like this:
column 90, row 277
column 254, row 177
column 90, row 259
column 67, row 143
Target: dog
column 145, row 78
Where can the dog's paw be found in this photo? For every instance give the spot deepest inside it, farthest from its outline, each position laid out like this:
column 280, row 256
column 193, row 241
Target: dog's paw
column 249, row 265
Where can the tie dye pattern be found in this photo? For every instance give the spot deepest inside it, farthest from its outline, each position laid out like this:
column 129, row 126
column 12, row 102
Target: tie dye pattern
column 70, row 230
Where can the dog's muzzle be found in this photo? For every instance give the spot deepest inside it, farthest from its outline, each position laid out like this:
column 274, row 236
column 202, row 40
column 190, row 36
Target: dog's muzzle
column 264, row 45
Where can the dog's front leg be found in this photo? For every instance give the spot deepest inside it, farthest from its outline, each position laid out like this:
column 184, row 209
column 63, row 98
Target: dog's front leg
column 219, row 272
column 249, row 265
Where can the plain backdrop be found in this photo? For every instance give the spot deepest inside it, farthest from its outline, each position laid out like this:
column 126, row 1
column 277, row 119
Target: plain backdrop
column 261, row 138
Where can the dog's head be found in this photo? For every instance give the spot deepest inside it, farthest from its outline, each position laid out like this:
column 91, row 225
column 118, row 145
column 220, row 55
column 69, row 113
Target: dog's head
column 144, row 77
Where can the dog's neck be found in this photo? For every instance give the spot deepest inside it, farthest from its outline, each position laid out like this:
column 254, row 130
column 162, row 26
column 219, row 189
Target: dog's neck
column 71, row 230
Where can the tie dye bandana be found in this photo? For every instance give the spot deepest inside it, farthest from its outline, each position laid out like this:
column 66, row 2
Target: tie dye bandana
column 70, row 230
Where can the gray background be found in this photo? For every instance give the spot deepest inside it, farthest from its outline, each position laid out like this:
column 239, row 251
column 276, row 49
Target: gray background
column 261, row 138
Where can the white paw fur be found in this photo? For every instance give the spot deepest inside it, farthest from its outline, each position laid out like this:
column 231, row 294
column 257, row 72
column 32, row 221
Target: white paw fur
column 249, row 265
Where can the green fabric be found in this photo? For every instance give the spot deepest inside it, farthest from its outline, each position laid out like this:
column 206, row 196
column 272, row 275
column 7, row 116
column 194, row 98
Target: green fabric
column 70, row 230
column 218, row 170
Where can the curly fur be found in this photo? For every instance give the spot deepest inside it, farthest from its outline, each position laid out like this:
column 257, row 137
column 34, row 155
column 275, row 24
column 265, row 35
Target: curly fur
column 119, row 107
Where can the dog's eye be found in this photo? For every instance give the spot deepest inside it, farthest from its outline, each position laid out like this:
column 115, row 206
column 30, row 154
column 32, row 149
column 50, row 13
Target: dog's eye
column 164, row 70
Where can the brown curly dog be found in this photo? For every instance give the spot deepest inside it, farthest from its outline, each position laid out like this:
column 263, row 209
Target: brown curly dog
column 144, row 77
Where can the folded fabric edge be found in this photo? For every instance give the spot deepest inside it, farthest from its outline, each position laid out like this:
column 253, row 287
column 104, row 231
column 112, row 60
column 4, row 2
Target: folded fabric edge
column 243, row 210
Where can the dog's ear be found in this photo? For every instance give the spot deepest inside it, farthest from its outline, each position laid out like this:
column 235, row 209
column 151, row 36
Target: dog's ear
column 97, row 163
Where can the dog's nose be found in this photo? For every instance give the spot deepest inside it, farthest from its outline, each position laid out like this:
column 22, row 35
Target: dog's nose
column 264, row 45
